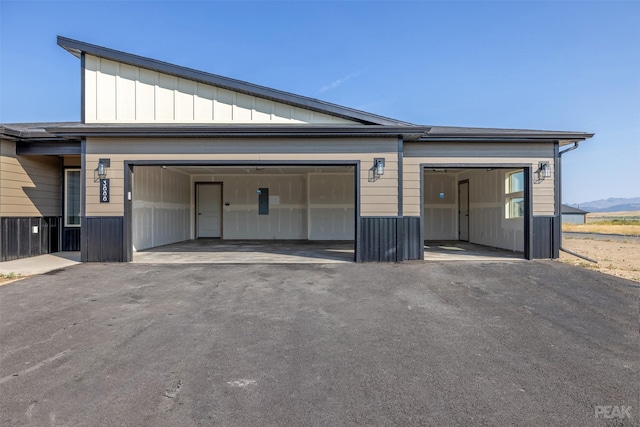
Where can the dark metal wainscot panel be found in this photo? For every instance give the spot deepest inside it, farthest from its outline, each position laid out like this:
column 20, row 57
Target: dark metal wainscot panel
column 411, row 237
column 103, row 238
column 544, row 231
column 23, row 237
column 378, row 237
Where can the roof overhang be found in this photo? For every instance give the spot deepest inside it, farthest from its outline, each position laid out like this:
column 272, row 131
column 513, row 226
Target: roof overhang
column 80, row 130
column 493, row 135
column 33, row 139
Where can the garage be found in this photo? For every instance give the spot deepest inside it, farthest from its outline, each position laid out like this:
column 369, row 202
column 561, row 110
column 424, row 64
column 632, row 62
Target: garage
column 165, row 155
column 484, row 206
column 223, row 208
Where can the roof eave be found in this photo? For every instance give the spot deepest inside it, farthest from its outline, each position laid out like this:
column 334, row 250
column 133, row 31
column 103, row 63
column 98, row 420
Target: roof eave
column 237, row 131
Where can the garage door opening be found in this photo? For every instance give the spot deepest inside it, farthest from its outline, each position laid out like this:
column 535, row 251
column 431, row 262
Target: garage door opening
column 475, row 213
column 293, row 211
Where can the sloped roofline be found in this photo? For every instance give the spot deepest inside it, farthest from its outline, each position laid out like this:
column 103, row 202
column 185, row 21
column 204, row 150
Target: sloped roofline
column 566, row 209
column 77, row 48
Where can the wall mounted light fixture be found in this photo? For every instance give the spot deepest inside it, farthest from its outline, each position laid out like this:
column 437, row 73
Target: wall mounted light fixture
column 378, row 165
column 544, row 170
column 101, row 171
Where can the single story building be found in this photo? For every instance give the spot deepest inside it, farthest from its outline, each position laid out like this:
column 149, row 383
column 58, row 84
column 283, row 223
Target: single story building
column 165, row 154
column 571, row 215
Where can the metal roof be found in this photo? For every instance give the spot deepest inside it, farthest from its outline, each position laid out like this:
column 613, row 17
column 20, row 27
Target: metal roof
column 30, row 131
column 77, row 48
column 566, row 209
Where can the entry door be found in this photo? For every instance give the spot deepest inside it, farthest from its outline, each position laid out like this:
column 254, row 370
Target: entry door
column 209, row 208
column 463, row 210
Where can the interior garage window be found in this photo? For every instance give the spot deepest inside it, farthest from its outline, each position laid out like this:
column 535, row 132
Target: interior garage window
column 72, row 198
column 514, row 194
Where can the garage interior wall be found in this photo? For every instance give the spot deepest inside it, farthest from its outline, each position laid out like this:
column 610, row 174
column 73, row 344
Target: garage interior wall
column 161, row 207
column 440, row 213
column 287, row 206
column 301, row 206
column 487, row 223
column 331, row 207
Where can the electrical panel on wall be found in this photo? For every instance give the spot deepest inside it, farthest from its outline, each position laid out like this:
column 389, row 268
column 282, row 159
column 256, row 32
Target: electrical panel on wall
column 263, row 201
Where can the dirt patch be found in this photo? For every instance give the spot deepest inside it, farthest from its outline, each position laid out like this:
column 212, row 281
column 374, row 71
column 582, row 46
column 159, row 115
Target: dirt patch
column 621, row 259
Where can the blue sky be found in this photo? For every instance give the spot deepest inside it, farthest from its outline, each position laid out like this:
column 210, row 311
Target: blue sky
column 566, row 65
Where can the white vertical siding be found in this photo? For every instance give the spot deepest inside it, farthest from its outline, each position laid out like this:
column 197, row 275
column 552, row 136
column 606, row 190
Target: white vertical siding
column 126, row 99
column 145, row 89
column 116, row 92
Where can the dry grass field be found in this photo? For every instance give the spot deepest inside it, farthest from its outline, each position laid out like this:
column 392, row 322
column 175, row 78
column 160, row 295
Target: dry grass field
column 622, row 223
column 603, row 228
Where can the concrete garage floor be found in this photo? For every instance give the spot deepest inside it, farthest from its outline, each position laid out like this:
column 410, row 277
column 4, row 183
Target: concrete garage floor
column 455, row 250
column 438, row 343
column 218, row 251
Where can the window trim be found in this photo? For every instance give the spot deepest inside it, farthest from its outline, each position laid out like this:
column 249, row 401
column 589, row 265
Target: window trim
column 66, row 193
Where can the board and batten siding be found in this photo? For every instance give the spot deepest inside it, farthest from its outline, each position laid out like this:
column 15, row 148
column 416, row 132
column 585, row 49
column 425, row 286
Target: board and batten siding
column 497, row 154
column 29, row 185
column 377, row 198
column 116, row 92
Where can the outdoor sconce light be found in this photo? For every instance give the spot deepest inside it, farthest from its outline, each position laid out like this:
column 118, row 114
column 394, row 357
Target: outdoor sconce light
column 101, row 171
column 378, row 165
column 544, row 170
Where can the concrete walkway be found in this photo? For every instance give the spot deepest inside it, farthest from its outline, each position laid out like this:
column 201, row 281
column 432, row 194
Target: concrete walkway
column 40, row 264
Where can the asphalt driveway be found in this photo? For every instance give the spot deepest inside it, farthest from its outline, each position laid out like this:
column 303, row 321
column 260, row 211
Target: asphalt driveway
column 452, row 343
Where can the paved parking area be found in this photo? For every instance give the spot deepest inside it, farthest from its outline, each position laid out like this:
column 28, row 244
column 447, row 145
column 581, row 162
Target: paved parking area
column 450, row 343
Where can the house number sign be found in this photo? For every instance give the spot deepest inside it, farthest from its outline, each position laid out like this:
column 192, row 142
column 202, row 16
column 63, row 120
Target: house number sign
column 104, row 190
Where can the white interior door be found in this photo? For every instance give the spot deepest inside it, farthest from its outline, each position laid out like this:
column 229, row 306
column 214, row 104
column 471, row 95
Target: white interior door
column 209, row 201
column 463, row 211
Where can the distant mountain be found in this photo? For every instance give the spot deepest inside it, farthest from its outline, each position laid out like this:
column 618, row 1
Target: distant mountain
column 613, row 204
